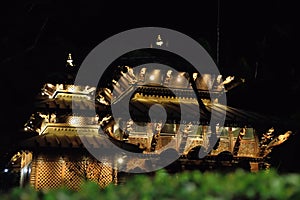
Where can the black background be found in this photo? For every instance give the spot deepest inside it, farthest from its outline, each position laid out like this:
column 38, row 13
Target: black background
column 258, row 41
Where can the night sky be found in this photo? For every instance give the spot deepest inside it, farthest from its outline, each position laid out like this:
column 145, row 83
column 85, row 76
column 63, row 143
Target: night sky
column 258, row 41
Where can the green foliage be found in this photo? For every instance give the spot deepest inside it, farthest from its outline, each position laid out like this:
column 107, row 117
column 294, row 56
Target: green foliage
column 262, row 185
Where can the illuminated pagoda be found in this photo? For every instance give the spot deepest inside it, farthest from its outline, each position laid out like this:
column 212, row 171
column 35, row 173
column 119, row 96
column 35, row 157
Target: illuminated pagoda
column 58, row 155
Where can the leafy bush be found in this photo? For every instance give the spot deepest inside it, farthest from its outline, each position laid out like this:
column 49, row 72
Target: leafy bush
column 186, row 185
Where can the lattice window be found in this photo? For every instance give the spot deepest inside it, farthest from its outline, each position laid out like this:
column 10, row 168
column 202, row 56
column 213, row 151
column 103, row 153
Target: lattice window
column 57, row 172
column 247, row 149
column 223, row 146
column 48, row 175
column 73, row 175
column 100, row 173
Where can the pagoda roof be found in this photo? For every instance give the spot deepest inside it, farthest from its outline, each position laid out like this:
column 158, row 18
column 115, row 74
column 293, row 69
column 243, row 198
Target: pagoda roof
column 71, row 139
column 59, row 104
column 142, row 100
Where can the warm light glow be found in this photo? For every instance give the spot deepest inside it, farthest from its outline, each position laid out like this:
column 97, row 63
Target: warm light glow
column 159, row 41
column 97, row 118
column 75, row 120
column 103, row 100
column 120, row 160
column 70, row 60
column 49, row 85
column 71, row 88
column 179, row 78
column 195, row 76
column 219, row 79
column 143, row 70
column 105, row 120
column 228, row 80
column 152, row 77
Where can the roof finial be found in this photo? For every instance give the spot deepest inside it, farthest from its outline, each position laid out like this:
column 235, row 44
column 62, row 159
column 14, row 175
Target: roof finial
column 159, row 41
column 70, row 61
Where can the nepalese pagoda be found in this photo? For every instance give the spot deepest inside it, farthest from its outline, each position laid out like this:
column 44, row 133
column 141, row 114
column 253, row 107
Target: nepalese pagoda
column 57, row 155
